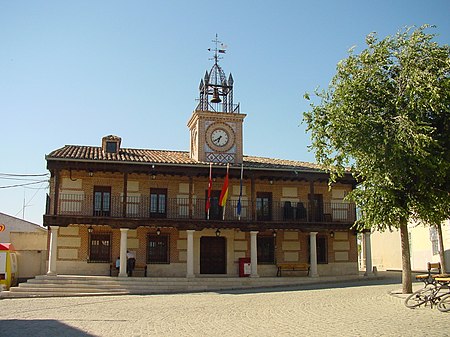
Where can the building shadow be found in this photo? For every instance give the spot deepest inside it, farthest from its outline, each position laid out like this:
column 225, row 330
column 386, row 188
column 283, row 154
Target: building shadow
column 384, row 278
column 38, row 328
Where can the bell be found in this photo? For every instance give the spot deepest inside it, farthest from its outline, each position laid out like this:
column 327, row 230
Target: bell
column 216, row 98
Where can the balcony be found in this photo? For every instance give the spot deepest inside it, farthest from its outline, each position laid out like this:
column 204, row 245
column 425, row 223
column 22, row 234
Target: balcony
column 72, row 205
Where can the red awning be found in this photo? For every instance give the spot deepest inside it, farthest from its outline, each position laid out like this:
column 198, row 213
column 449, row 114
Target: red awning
column 6, row 246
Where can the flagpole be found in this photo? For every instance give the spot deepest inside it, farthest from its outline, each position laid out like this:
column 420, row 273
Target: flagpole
column 240, row 192
column 208, row 200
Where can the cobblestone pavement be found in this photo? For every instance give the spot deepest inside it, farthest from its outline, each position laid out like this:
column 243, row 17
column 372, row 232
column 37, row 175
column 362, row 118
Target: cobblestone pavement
column 358, row 308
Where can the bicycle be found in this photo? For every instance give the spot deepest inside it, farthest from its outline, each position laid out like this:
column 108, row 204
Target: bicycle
column 444, row 303
column 431, row 294
column 433, row 290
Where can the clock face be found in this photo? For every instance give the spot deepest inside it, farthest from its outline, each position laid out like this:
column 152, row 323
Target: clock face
column 219, row 137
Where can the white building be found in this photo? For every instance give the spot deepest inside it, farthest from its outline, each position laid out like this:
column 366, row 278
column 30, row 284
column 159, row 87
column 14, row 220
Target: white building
column 30, row 242
column 424, row 247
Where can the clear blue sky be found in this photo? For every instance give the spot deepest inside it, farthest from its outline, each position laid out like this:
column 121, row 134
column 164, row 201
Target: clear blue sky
column 72, row 72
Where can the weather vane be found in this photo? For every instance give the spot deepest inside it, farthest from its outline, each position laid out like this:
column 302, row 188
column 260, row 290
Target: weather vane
column 220, row 48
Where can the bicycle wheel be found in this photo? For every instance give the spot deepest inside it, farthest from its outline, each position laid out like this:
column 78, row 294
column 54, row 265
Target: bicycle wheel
column 444, row 303
column 419, row 297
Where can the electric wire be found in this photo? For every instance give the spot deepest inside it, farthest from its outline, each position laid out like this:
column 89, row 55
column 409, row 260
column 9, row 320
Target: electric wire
column 24, row 184
column 31, row 199
column 23, row 175
column 18, row 179
column 27, row 179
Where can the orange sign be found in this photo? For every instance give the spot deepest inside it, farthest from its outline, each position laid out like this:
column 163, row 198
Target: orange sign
column 2, row 227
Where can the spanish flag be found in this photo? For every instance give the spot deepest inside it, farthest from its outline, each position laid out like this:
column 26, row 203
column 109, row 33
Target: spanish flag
column 224, row 193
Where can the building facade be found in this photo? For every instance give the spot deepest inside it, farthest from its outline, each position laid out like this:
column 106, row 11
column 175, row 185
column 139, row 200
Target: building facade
column 424, row 247
column 165, row 207
column 30, row 243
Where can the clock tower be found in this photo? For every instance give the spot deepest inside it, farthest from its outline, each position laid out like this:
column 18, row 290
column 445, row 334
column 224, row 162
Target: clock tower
column 216, row 123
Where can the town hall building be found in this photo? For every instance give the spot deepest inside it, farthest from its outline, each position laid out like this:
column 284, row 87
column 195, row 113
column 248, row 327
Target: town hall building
column 168, row 208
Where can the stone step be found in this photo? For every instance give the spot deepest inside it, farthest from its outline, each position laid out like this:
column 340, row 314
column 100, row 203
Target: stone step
column 65, row 289
column 128, row 285
column 275, row 280
column 30, row 294
column 74, row 285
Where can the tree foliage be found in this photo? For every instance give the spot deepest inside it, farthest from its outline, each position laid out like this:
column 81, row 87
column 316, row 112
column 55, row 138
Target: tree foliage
column 386, row 114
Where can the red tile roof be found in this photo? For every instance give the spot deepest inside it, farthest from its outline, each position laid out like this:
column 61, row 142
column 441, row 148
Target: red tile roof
column 145, row 156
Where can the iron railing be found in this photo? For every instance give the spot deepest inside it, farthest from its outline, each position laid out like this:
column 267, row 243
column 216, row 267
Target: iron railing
column 140, row 207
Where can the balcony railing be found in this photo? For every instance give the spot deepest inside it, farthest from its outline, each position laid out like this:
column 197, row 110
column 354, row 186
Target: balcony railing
column 180, row 208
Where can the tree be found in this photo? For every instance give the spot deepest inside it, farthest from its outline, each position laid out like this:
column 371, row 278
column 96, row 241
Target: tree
column 386, row 115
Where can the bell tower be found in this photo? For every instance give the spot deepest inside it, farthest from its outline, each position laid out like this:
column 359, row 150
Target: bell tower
column 216, row 123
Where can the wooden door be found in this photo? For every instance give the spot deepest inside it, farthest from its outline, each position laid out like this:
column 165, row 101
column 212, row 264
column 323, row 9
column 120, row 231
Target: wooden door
column 264, row 206
column 316, row 207
column 215, row 210
column 212, row 255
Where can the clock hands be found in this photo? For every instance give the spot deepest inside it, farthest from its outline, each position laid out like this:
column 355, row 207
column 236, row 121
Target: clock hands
column 219, row 137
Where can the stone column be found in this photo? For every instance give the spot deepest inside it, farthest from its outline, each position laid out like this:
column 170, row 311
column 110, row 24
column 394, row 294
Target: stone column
column 253, row 254
column 123, row 252
column 368, row 251
column 53, row 250
column 190, row 253
column 313, row 254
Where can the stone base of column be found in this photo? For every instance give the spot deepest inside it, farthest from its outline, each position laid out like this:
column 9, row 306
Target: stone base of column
column 122, row 275
column 190, row 276
column 314, row 275
column 51, row 273
column 372, row 273
column 254, row 275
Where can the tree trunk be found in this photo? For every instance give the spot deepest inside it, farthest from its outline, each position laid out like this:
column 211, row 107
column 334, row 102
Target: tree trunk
column 441, row 247
column 406, row 259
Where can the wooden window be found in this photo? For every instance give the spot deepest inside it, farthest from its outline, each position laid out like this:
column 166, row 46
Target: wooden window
column 99, row 247
column 158, row 202
column 264, row 206
column 434, row 238
column 111, row 147
column 266, row 249
column 102, row 200
column 157, row 248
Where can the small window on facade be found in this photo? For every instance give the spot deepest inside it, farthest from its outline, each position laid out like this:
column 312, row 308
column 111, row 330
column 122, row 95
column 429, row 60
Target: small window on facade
column 100, row 247
column 111, row 147
column 158, row 249
column 158, row 202
column 266, row 249
column 434, row 238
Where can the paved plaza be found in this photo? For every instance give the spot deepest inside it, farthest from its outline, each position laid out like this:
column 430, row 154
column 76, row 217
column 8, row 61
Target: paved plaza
column 357, row 308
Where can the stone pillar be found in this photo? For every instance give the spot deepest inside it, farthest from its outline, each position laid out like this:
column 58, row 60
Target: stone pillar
column 253, row 254
column 313, row 254
column 123, row 252
column 53, row 250
column 190, row 253
column 368, row 251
